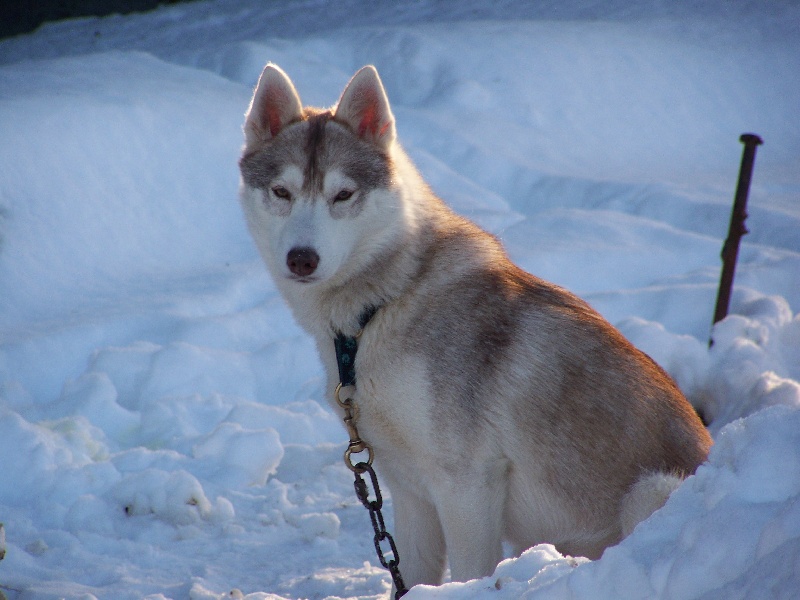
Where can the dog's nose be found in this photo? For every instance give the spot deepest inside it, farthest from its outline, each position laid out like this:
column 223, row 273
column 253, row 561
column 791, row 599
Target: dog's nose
column 302, row 261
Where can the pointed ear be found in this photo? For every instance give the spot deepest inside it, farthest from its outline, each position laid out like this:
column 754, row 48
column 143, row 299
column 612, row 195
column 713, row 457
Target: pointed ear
column 275, row 104
column 364, row 108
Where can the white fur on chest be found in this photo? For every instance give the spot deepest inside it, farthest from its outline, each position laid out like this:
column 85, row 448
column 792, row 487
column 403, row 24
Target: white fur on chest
column 393, row 397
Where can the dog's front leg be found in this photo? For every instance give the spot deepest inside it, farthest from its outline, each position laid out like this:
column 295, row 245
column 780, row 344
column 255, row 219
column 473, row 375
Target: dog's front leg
column 471, row 511
column 419, row 538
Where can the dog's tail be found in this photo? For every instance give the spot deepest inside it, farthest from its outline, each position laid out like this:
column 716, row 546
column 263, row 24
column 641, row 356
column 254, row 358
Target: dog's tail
column 646, row 496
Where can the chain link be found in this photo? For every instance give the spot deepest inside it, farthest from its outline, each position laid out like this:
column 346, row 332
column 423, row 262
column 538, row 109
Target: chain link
column 376, row 516
column 356, row 446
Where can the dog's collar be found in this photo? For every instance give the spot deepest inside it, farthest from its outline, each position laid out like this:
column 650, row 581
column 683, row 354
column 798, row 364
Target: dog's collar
column 346, row 347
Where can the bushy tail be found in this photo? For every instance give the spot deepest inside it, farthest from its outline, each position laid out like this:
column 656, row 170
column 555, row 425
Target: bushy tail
column 646, row 496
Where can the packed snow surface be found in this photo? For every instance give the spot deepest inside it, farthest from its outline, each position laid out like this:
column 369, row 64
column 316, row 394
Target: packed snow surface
column 163, row 429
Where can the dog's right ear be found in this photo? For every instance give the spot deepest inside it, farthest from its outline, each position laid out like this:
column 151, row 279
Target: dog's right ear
column 364, row 107
column 275, row 104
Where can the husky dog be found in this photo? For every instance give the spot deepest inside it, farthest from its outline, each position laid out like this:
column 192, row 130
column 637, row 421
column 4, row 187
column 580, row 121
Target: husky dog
column 499, row 406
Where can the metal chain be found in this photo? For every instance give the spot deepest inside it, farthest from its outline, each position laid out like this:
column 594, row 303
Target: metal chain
column 376, row 516
column 356, row 446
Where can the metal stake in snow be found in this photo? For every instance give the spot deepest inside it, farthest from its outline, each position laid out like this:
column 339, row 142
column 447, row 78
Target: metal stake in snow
column 730, row 250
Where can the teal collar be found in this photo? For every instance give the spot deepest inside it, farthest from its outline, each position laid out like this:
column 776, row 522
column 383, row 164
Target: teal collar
column 346, row 347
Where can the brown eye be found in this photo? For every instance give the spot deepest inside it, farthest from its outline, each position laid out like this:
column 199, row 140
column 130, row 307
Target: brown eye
column 343, row 195
column 281, row 192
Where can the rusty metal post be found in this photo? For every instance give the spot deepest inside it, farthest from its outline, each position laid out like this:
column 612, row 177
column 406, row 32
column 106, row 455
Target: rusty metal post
column 730, row 250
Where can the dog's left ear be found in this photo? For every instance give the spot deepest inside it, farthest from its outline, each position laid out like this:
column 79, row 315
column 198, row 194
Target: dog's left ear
column 364, row 107
column 275, row 104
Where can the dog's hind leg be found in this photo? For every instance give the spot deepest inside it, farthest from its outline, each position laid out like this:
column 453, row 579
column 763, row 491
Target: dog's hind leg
column 646, row 496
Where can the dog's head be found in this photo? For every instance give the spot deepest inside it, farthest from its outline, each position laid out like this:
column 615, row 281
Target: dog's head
column 318, row 185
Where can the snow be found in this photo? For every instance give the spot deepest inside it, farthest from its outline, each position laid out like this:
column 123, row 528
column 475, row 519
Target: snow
column 163, row 428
